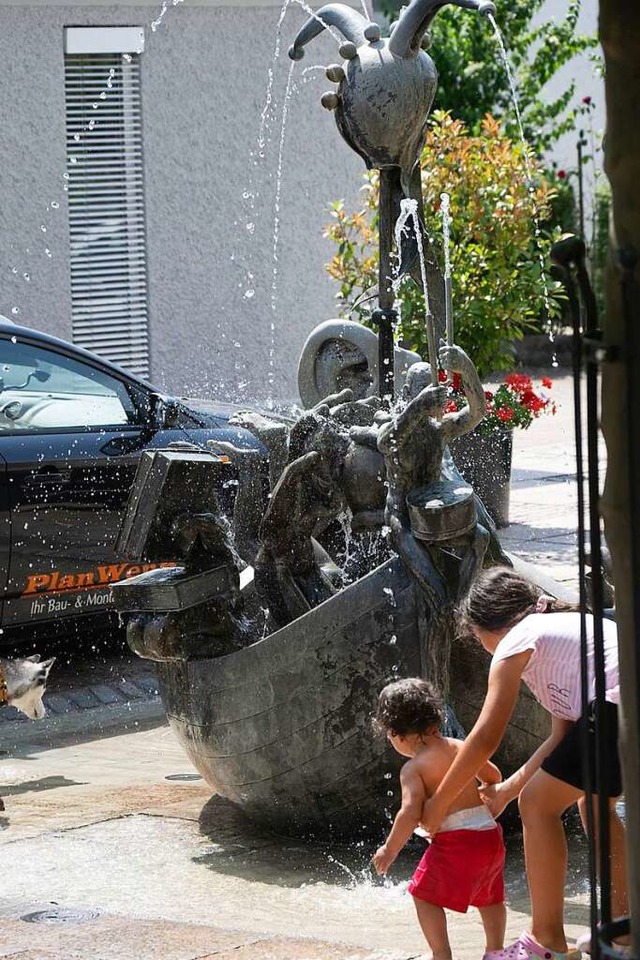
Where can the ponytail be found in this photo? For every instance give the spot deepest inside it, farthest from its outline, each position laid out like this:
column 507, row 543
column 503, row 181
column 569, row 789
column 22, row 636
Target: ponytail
column 499, row 598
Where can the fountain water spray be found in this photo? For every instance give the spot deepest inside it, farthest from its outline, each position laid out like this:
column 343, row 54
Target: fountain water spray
column 446, row 241
column 409, row 211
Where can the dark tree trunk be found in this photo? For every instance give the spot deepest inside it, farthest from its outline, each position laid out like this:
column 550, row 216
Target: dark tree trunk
column 620, row 38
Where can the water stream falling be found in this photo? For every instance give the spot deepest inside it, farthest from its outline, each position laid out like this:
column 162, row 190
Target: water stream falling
column 276, row 231
column 446, row 246
column 515, row 96
column 165, row 4
column 409, row 211
column 504, row 56
column 258, row 175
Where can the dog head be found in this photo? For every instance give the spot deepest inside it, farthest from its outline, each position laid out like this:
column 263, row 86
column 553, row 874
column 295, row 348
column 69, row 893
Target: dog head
column 27, row 680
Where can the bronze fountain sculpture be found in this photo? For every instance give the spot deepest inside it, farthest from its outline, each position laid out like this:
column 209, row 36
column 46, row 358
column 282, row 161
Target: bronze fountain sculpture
column 275, row 707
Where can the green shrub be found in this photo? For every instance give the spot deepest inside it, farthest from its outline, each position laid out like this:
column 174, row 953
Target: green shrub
column 499, row 288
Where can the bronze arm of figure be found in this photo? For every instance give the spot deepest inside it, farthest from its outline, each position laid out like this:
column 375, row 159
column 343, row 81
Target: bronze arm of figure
column 454, row 358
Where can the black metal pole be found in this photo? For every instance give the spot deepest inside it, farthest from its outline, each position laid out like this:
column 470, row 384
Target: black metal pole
column 561, row 270
column 384, row 317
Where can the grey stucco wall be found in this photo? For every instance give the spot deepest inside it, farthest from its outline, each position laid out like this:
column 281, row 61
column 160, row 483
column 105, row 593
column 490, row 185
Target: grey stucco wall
column 204, row 80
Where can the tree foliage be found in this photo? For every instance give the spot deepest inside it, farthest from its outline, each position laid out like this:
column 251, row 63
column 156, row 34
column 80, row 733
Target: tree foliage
column 497, row 249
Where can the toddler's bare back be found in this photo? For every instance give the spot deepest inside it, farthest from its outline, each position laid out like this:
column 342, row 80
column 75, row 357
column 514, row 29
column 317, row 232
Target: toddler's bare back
column 432, row 763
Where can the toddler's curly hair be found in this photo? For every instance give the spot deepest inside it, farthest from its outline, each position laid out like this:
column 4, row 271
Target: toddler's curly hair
column 409, row 706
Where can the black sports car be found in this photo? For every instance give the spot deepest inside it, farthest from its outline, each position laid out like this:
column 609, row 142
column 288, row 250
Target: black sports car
column 72, row 429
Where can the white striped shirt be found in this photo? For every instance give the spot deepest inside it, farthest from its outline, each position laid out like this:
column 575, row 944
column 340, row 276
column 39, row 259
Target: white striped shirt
column 553, row 671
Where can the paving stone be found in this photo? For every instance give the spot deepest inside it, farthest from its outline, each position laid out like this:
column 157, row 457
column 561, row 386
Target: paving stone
column 83, row 698
column 149, row 684
column 130, row 690
column 106, row 694
column 11, row 714
column 55, row 703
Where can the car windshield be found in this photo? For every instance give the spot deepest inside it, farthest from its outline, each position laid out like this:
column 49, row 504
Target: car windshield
column 41, row 389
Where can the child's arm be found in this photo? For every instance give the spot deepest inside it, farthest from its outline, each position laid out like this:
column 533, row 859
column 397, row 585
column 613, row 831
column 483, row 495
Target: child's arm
column 407, row 818
column 498, row 797
column 489, row 773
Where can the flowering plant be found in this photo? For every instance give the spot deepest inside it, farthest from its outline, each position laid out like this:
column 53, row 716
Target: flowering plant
column 515, row 403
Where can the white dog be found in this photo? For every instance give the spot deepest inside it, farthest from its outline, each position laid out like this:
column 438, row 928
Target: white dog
column 23, row 682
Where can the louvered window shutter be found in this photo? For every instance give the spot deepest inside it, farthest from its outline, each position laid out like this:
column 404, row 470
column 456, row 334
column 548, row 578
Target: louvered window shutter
column 106, row 207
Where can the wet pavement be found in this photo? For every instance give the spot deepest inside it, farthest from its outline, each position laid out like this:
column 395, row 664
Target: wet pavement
column 113, row 848
column 129, row 857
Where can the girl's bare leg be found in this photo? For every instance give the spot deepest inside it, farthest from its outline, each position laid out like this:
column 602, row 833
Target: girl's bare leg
column 618, row 855
column 494, row 921
column 542, row 803
column 433, row 924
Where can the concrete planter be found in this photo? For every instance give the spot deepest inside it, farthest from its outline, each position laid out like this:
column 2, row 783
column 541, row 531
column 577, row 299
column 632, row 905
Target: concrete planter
column 485, row 463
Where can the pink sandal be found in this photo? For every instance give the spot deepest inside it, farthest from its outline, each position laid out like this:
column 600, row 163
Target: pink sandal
column 526, row 948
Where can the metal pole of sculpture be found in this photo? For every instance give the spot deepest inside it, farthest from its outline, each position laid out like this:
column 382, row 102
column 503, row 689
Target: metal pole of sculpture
column 385, row 91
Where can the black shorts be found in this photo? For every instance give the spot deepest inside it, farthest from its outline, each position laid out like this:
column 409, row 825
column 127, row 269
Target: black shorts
column 566, row 761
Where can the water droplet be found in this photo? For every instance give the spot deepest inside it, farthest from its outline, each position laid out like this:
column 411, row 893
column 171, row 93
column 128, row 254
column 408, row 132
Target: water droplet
column 27, row 277
column 65, row 176
column 76, row 137
column 103, row 95
column 72, row 160
column 54, row 203
column 43, row 228
column 14, row 269
column 250, row 228
column 94, row 106
column 48, row 252
column 248, row 294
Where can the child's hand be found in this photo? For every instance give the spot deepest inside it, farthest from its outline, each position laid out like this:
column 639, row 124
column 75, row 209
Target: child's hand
column 495, row 796
column 382, row 860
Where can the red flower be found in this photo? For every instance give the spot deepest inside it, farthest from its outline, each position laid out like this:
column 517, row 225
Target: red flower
column 586, row 100
column 505, row 414
column 562, row 174
column 442, row 376
column 450, row 406
column 516, row 403
column 518, row 382
column 456, row 381
column 547, row 383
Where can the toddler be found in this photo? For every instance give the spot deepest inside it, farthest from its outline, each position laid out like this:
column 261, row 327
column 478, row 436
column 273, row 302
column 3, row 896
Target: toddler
column 464, row 863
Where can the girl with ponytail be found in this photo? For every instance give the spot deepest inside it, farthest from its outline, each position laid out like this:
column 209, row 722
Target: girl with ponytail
column 535, row 638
